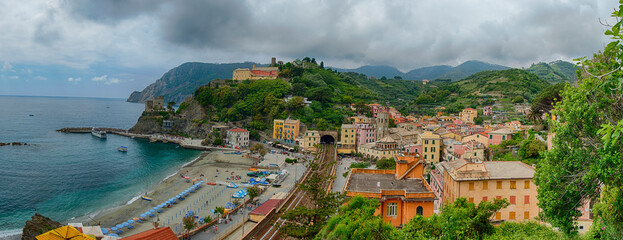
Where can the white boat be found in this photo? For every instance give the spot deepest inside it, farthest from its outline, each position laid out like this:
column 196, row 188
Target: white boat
column 98, row 133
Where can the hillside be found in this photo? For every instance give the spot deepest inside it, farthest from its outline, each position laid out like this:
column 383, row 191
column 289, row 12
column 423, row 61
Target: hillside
column 555, row 72
column 427, row 72
column 181, row 82
column 375, row 71
column 505, row 83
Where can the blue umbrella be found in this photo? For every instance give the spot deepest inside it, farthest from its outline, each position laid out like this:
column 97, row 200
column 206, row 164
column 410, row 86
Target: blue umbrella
column 152, row 211
column 104, row 231
column 143, row 215
column 125, row 224
column 114, row 229
column 119, row 226
column 113, row 235
column 155, row 208
column 130, row 221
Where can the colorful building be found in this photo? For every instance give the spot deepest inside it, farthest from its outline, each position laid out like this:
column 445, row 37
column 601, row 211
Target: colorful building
column 377, row 108
column 432, row 146
column 384, row 148
column 487, row 110
column 402, row 192
column 477, row 182
column 496, row 137
column 286, row 131
column 468, row 115
column 238, row 137
column 366, row 133
column 311, row 138
column 348, row 139
column 478, row 137
column 256, row 73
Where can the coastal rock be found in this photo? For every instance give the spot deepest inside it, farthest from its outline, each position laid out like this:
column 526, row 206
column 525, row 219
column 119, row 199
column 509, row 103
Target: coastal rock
column 38, row 225
column 188, row 122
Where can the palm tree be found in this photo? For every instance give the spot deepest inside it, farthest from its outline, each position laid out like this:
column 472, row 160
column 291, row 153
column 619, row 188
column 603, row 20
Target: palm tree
column 189, row 223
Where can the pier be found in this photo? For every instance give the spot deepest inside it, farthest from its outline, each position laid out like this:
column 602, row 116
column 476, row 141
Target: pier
column 184, row 142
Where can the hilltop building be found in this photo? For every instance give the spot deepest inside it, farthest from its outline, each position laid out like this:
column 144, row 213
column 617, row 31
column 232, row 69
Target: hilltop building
column 238, row 137
column 402, row 192
column 286, row 131
column 487, row 110
column 154, row 104
column 487, row 181
column 256, row 73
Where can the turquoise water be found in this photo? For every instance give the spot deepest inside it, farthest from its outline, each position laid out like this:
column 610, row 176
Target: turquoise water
column 67, row 175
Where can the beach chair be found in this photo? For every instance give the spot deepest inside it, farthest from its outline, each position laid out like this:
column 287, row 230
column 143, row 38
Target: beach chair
column 119, row 232
column 151, row 215
column 130, row 226
column 139, row 221
column 160, row 210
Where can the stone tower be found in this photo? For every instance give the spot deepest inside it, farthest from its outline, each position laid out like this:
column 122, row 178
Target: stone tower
column 382, row 125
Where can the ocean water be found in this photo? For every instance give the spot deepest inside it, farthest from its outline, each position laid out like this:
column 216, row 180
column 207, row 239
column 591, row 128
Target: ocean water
column 67, row 175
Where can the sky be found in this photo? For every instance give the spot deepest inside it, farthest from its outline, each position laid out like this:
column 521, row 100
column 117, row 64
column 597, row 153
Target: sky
column 109, row 48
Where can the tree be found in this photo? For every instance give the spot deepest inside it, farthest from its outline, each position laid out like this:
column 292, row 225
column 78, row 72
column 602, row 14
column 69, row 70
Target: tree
column 218, row 142
column 220, row 211
column 587, row 155
column 398, row 77
column 478, row 120
column 385, row 163
column 253, row 192
column 170, row 106
column 189, row 223
column 322, row 124
column 518, row 99
column 356, row 220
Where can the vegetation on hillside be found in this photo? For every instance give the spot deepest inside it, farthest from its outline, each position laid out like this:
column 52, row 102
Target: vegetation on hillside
column 554, row 72
column 586, row 162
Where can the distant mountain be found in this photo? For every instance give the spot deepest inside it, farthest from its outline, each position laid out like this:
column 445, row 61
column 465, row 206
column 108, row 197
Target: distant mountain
column 431, row 73
column 181, row 82
column 468, row 68
column 427, row 72
column 375, row 71
column 555, row 72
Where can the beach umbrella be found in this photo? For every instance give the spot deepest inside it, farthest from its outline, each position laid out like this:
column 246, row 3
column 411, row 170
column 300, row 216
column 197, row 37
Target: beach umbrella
column 104, row 231
column 152, row 211
column 114, row 229
column 143, row 215
column 119, row 226
column 125, row 224
column 113, row 235
column 187, row 177
column 130, row 221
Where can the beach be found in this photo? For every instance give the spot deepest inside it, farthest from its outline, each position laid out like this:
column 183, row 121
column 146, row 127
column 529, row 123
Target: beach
column 202, row 201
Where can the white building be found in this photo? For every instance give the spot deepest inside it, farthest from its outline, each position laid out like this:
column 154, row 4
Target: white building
column 238, row 137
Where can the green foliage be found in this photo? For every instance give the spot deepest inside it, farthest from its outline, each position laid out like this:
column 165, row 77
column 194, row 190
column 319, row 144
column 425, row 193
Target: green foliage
column 253, row 192
column 544, row 101
column 219, row 210
column 531, row 148
column 254, row 135
column 586, row 158
column 385, row 163
column 290, row 160
column 554, row 72
column 518, row 99
column 189, row 223
column 478, row 120
column 356, row 220
column 523, row 230
column 218, row 142
column 359, row 165
column 610, row 211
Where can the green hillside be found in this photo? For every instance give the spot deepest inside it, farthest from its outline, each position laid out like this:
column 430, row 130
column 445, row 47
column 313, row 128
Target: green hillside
column 554, row 72
column 505, row 83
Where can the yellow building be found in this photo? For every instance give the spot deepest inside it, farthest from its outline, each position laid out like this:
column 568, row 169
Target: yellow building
column 431, row 146
column 311, row 138
column 486, row 181
column 402, row 192
column 255, row 73
column 384, row 148
column 286, row 131
column 242, row 74
column 360, row 119
column 348, row 139
column 468, row 115
column 478, row 137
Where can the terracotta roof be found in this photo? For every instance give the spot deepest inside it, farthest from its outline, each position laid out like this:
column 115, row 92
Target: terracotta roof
column 163, row 233
column 265, row 208
column 238, row 130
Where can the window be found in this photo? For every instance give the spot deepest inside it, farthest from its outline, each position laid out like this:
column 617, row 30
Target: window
column 499, row 185
column 526, row 215
column 485, row 185
column 498, row 216
column 511, row 215
column 526, row 184
column 426, row 149
column 432, row 156
column 490, row 136
column 526, row 199
column 471, row 200
column 513, row 185
column 512, row 199
column 433, row 141
column 419, row 210
column 471, row 186
column 425, row 141
column 392, row 209
column 503, row 137
column 484, row 199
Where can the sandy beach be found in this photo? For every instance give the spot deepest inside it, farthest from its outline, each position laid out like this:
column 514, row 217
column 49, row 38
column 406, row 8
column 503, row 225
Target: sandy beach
column 202, row 201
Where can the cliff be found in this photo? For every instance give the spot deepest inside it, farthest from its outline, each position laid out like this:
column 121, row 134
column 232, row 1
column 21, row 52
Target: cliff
column 38, row 225
column 187, row 121
column 181, row 82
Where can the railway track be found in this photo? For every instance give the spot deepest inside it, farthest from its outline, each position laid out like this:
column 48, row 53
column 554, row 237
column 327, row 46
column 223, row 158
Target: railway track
column 299, row 197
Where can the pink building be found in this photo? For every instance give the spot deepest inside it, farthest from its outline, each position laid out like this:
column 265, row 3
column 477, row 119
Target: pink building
column 413, row 148
column 365, row 133
column 376, row 108
column 487, row 111
column 436, row 185
column 497, row 136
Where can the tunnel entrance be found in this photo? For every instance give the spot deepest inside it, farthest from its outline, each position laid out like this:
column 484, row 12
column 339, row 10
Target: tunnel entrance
column 327, row 139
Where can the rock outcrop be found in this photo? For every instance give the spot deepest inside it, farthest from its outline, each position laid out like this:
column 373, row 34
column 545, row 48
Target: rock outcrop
column 38, row 225
column 188, row 122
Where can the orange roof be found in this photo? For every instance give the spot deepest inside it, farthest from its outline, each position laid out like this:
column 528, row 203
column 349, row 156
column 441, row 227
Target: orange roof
column 238, row 130
column 163, row 233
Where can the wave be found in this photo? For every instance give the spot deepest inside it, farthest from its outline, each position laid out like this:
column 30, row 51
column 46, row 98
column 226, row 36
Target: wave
column 132, row 200
column 11, row 234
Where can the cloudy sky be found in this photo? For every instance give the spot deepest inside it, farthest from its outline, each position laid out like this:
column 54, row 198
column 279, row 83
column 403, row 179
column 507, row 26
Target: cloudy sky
column 111, row 48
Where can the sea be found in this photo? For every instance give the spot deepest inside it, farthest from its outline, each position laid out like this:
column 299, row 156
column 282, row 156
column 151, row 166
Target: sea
column 67, row 176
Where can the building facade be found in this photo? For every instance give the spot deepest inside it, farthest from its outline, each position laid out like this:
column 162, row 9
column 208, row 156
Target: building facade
column 382, row 125
column 366, row 133
column 348, row 139
column 154, row 104
column 238, row 137
column 286, row 130
column 432, row 146
column 468, row 115
column 255, row 73
column 384, row 148
column 311, row 139
column 496, row 137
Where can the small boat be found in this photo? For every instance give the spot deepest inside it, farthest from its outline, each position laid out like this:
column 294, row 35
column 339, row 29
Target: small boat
column 31, row 115
column 122, row 149
column 146, row 198
column 98, row 133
